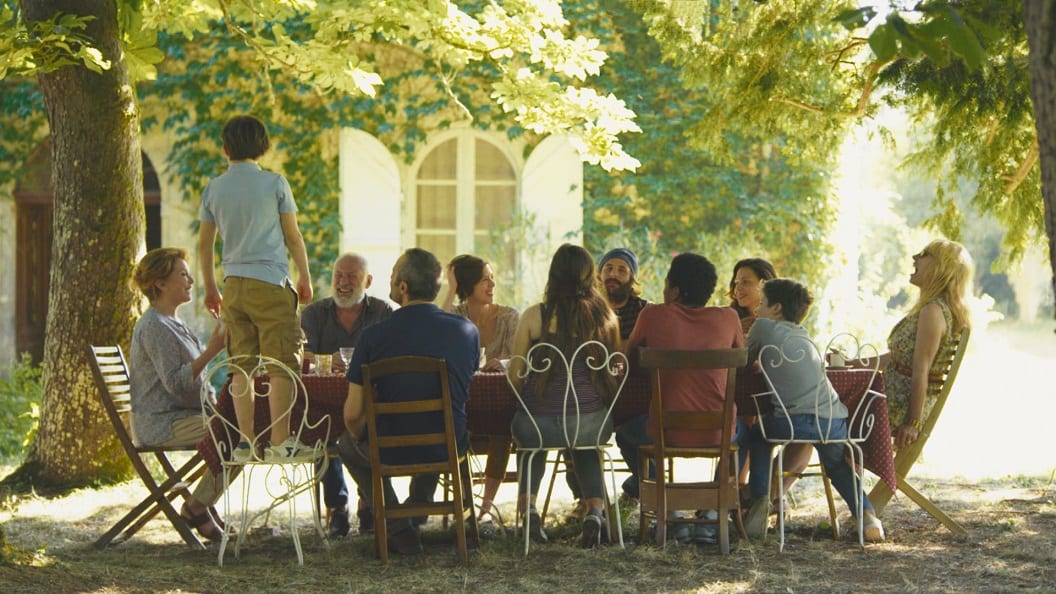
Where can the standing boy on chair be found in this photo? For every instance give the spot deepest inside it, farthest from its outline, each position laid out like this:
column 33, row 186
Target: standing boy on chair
column 254, row 212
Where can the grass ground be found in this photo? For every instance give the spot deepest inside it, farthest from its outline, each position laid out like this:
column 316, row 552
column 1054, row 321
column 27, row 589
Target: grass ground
column 998, row 424
column 1012, row 547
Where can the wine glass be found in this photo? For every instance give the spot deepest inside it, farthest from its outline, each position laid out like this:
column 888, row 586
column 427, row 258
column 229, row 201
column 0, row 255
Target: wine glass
column 346, row 355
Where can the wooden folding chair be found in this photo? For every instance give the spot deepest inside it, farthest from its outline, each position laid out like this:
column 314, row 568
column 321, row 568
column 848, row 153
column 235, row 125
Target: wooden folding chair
column 111, row 378
column 661, row 494
column 906, row 457
column 460, row 504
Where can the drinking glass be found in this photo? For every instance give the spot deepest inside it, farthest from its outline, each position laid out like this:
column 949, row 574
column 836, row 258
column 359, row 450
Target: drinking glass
column 323, row 364
column 346, row 355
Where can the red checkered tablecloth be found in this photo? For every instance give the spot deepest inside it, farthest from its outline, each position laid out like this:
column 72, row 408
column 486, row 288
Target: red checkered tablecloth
column 492, row 404
column 851, row 385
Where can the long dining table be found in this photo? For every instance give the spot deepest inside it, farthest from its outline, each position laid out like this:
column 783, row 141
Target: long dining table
column 492, row 404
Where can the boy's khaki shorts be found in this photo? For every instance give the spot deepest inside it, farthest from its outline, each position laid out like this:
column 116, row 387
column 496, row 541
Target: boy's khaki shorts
column 262, row 319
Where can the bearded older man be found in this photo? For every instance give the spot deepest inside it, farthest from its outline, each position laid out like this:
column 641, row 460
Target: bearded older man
column 328, row 325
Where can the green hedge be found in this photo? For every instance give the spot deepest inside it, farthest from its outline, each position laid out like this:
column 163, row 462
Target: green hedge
column 19, row 406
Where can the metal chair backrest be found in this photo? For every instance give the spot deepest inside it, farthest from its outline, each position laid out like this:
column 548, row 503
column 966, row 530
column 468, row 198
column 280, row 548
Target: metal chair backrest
column 544, row 356
column 256, row 372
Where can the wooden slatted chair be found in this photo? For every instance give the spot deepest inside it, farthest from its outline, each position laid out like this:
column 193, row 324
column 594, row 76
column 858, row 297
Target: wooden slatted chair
column 110, row 370
column 663, row 493
column 906, row 457
column 460, row 503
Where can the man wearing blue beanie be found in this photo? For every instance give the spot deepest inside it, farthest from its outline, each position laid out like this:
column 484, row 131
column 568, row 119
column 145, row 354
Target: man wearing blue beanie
column 618, row 271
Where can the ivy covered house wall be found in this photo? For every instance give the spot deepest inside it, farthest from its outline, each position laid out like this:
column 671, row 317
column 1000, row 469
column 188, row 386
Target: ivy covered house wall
column 374, row 175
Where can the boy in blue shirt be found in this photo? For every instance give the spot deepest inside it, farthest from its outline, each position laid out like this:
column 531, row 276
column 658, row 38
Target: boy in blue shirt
column 254, row 212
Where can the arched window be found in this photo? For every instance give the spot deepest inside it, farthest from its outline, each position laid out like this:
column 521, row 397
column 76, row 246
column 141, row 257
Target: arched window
column 465, row 198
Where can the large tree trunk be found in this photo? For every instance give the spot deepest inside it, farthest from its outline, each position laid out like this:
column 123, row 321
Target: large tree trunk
column 98, row 228
column 1040, row 18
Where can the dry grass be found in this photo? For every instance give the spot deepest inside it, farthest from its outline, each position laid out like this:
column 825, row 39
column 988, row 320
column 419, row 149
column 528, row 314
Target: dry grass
column 1012, row 547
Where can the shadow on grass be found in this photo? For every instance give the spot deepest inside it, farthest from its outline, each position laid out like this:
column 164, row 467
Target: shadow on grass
column 1012, row 546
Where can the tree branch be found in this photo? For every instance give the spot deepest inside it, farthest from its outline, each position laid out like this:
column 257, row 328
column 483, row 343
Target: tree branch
column 1023, row 171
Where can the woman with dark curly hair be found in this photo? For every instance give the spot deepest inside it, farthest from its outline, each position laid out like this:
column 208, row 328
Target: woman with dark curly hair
column 746, row 288
column 472, row 280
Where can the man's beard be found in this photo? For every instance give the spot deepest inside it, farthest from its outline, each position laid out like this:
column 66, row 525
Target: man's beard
column 620, row 293
column 349, row 301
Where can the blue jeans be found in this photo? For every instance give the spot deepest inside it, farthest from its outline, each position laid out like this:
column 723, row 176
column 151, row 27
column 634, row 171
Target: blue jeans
column 335, row 490
column 587, row 463
column 805, row 427
column 630, row 436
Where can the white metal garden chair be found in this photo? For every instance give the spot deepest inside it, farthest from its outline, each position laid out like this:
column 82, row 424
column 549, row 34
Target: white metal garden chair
column 283, row 480
column 540, row 358
column 797, row 350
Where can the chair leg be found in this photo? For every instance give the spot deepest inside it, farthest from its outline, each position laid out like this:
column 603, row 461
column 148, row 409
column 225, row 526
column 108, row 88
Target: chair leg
column 927, row 505
column 833, row 518
column 561, row 457
column 159, row 500
column 881, row 495
column 613, row 502
column 474, row 525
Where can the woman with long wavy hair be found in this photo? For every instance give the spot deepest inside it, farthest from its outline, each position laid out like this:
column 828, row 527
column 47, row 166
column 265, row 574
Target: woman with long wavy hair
column 573, row 312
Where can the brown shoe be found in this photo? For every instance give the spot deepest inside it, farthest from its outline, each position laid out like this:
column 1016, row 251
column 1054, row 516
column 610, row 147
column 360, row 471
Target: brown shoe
column 203, row 523
column 405, row 542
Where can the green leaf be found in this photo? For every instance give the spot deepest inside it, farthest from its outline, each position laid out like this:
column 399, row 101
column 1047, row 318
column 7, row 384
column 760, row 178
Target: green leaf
column 965, row 44
column 932, row 46
column 856, row 18
column 884, row 42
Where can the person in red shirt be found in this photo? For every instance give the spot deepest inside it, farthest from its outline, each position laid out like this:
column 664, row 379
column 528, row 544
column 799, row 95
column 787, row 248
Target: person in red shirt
column 683, row 321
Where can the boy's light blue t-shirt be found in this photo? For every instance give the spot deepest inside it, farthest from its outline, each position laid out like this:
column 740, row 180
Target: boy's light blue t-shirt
column 245, row 203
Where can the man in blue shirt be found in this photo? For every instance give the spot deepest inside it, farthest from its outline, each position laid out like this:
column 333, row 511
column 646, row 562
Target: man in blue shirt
column 418, row 328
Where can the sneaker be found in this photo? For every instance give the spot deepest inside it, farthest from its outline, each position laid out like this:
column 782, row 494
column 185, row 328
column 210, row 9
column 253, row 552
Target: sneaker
column 681, row 532
column 755, row 523
column 706, row 533
column 874, row 528
column 338, row 526
column 535, row 527
column 242, row 453
column 593, row 522
column 290, row 450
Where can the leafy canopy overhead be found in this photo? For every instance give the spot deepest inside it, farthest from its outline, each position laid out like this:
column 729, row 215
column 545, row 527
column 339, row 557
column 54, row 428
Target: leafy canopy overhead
column 537, row 73
column 804, row 69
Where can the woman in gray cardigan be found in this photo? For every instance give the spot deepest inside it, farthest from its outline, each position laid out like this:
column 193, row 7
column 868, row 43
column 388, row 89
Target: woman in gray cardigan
column 166, row 370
